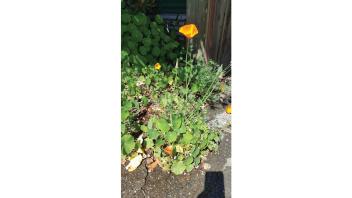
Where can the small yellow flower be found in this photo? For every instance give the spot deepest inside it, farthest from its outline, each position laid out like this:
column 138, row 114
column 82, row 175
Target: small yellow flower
column 189, row 31
column 157, row 66
column 228, row 109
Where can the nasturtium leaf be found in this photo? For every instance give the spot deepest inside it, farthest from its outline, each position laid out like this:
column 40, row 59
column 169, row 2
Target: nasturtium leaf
column 189, row 167
column 148, row 81
column 123, row 128
column 157, row 152
column 196, row 152
column 144, row 128
column 188, row 161
column 187, row 138
column 145, row 100
column 196, row 134
column 128, row 143
column 176, row 121
column 217, row 139
column 171, row 136
column 162, row 125
column 203, row 144
column 182, row 129
column 153, row 134
column 127, row 105
column 150, row 123
column 211, row 136
column 178, row 168
column 197, row 161
column 159, row 142
column 148, row 143
column 180, row 157
column 124, row 114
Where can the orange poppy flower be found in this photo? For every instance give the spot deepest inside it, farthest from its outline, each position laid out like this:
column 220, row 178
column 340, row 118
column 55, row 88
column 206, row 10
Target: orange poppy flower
column 168, row 150
column 228, row 109
column 157, row 66
column 189, row 31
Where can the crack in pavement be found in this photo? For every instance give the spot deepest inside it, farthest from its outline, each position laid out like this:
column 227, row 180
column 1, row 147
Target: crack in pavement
column 145, row 182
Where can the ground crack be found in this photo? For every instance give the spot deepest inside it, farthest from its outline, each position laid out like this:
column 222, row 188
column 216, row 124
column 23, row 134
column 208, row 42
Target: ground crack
column 145, row 182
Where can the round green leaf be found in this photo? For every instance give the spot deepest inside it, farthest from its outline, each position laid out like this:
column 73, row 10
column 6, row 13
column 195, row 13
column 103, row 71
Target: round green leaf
column 128, row 143
column 162, row 125
column 153, row 134
column 171, row 136
column 178, row 168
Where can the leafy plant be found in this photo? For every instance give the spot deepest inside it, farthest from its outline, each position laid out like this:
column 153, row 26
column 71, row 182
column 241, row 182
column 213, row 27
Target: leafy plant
column 164, row 96
column 147, row 41
column 159, row 106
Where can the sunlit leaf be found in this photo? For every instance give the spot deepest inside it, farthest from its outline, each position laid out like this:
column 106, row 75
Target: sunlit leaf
column 178, row 168
column 162, row 125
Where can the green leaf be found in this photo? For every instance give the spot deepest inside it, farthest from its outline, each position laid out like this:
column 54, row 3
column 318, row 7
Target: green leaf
column 196, row 152
column 197, row 161
column 189, row 167
column 189, row 160
column 144, row 128
column 128, row 143
column 171, row 137
column 152, row 134
column 148, row 143
column 182, row 129
column 194, row 88
column 176, row 121
column 145, row 100
column 162, row 125
column 178, row 168
column 124, row 115
column 196, row 134
column 150, row 123
column 187, row 138
column 211, row 136
column 159, row 142
column 123, row 128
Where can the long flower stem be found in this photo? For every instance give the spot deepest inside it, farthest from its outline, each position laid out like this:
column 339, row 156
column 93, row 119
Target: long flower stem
column 186, row 67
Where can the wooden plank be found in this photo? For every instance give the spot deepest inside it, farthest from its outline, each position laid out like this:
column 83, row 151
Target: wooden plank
column 218, row 34
column 197, row 14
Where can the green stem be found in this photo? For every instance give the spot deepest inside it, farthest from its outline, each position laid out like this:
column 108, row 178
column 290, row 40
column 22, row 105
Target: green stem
column 186, row 67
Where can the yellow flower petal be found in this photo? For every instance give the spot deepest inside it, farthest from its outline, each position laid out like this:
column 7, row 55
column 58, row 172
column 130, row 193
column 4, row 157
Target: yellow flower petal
column 189, row 31
column 228, row 109
column 157, row 66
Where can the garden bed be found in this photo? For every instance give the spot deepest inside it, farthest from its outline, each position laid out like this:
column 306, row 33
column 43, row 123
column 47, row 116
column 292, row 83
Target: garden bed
column 169, row 124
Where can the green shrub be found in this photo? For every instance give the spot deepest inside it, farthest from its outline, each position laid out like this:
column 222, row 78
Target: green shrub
column 140, row 35
column 157, row 105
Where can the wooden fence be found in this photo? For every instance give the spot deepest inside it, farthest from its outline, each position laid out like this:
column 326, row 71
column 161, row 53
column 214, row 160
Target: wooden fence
column 213, row 19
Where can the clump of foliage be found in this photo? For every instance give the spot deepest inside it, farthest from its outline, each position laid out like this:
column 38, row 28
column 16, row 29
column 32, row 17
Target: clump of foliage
column 167, row 109
column 164, row 97
column 147, row 40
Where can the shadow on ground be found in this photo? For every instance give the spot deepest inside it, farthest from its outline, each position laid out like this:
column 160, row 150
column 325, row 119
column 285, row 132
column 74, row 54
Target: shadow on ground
column 214, row 185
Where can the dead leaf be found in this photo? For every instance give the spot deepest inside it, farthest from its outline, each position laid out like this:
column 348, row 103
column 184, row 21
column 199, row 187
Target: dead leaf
column 153, row 165
column 134, row 163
